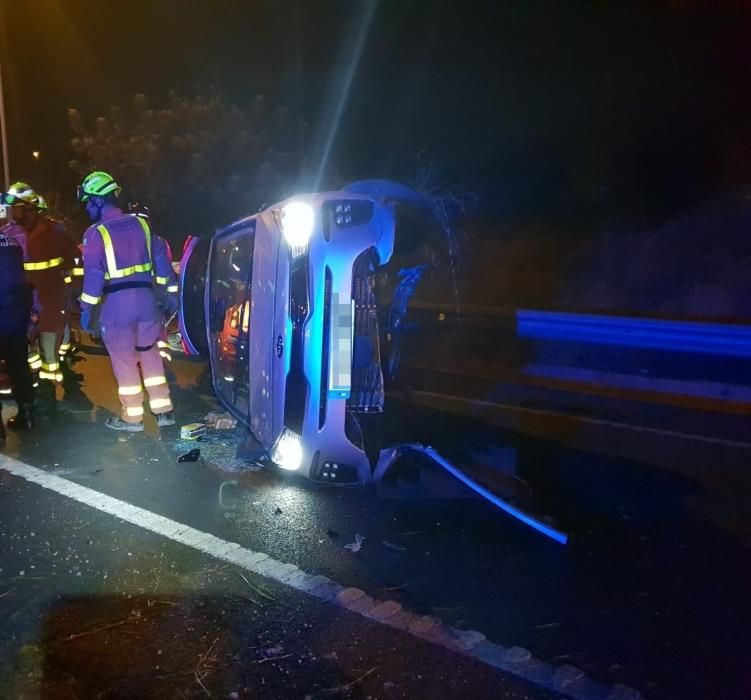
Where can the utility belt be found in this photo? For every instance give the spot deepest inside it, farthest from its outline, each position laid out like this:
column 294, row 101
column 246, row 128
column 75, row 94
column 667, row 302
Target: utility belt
column 119, row 286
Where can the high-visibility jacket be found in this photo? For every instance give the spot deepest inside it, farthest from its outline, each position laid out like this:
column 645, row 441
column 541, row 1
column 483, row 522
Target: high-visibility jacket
column 49, row 255
column 121, row 265
column 163, row 252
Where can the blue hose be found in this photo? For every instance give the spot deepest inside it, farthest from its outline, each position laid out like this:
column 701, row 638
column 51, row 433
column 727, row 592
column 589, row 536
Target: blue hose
column 557, row 535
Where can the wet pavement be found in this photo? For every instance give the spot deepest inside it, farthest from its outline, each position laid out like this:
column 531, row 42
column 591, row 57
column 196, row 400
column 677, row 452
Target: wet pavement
column 650, row 592
column 93, row 607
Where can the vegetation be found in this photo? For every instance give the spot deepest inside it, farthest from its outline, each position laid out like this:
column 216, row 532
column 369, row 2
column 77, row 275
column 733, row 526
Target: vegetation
column 197, row 162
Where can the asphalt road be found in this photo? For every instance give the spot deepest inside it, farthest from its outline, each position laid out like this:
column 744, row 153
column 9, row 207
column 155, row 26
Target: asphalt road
column 650, row 592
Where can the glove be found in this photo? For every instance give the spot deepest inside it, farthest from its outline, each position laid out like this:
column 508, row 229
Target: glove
column 170, row 305
column 86, row 319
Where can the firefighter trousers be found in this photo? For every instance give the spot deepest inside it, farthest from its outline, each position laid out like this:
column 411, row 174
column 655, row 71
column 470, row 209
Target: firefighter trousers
column 128, row 347
column 13, row 349
column 49, row 344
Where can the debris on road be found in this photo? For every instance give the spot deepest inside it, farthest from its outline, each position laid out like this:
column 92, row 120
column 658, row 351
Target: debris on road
column 220, row 421
column 393, row 545
column 203, row 669
column 219, row 448
column 271, row 658
column 400, row 587
column 192, row 431
column 191, row 456
column 355, row 546
column 231, row 482
column 276, row 650
column 349, row 686
column 547, row 626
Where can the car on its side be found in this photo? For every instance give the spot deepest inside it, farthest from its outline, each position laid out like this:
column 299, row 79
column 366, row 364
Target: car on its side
column 283, row 303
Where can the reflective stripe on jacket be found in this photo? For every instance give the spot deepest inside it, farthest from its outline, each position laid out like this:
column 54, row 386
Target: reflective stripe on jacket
column 164, row 273
column 118, row 249
column 113, row 272
column 49, row 253
column 42, row 264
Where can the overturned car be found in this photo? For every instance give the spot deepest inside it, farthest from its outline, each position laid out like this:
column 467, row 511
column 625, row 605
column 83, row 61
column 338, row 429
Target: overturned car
column 283, row 302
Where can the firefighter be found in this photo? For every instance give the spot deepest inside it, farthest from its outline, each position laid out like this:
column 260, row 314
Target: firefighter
column 13, row 230
column 64, row 347
column 15, row 308
column 49, row 254
column 119, row 265
column 166, row 287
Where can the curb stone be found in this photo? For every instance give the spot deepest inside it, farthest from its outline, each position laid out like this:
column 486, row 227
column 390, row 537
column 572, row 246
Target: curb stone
column 518, row 661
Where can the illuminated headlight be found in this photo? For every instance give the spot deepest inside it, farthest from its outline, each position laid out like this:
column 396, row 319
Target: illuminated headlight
column 296, row 220
column 287, row 451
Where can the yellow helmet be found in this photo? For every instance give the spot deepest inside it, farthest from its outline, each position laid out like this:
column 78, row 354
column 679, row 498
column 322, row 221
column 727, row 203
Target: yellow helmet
column 97, row 184
column 23, row 193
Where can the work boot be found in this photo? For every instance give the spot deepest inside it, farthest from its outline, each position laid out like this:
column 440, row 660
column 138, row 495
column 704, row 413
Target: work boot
column 46, row 397
column 24, row 419
column 164, row 420
column 120, row 424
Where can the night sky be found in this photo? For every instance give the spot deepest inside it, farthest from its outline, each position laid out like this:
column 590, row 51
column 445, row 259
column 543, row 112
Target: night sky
column 554, row 107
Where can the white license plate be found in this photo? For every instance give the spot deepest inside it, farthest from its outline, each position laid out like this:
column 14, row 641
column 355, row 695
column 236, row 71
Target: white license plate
column 340, row 347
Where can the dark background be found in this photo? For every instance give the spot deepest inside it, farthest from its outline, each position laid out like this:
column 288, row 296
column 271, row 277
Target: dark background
column 551, row 109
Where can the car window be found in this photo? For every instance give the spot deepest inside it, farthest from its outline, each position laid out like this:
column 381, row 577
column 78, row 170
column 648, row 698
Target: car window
column 229, row 315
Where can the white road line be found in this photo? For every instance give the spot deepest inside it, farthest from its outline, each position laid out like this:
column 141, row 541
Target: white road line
column 567, row 680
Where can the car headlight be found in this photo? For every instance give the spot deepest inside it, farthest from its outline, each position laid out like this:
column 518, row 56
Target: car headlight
column 296, row 220
column 287, row 451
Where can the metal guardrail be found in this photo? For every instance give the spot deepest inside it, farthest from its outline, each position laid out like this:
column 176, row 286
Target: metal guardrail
column 677, row 336
column 461, row 310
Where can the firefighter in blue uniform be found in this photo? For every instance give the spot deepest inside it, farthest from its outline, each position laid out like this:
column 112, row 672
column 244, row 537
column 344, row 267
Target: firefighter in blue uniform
column 15, row 309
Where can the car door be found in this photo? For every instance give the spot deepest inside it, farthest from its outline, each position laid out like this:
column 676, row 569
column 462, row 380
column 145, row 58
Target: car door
column 191, row 312
column 228, row 309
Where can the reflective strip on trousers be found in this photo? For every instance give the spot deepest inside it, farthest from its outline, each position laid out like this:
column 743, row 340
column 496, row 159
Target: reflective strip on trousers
column 77, row 272
column 172, row 289
column 129, row 390
column 160, row 403
column 164, row 350
column 133, row 411
column 52, row 376
column 68, row 279
column 154, row 381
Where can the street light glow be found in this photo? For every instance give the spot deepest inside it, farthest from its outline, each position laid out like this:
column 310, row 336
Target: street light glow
column 36, row 154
